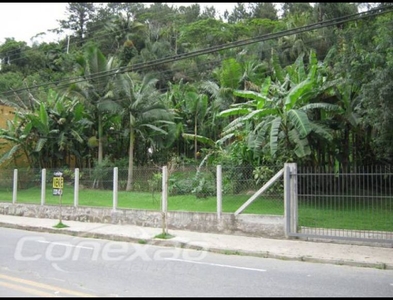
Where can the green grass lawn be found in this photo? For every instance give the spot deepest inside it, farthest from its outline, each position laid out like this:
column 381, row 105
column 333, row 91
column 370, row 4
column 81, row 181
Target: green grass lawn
column 140, row 200
column 341, row 213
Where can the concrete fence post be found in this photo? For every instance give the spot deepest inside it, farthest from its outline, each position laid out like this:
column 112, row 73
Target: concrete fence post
column 15, row 186
column 287, row 200
column 294, row 202
column 291, row 199
column 219, row 191
column 164, row 200
column 115, row 187
column 76, row 187
column 43, row 186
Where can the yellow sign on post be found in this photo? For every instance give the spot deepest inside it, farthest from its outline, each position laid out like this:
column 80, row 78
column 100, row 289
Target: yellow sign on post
column 58, row 183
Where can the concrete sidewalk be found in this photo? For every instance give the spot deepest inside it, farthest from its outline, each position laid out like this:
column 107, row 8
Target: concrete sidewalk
column 321, row 252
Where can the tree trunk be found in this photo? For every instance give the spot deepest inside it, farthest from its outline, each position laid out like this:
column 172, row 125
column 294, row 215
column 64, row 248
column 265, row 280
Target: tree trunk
column 130, row 177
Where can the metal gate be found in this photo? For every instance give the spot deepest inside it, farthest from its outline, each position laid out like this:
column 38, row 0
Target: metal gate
column 323, row 204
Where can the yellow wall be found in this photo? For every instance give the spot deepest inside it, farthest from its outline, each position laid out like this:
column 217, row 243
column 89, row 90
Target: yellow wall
column 8, row 113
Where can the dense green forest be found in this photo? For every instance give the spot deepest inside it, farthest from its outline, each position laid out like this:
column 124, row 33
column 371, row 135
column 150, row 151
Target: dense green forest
column 139, row 84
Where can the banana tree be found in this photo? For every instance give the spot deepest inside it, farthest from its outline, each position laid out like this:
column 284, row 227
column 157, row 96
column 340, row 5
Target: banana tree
column 46, row 133
column 277, row 116
column 16, row 141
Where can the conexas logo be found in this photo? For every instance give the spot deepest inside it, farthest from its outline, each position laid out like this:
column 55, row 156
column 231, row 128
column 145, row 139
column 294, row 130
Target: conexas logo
column 61, row 253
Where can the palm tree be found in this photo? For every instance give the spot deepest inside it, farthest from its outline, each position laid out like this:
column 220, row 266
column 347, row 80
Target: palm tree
column 144, row 112
column 96, row 89
column 123, row 28
column 197, row 107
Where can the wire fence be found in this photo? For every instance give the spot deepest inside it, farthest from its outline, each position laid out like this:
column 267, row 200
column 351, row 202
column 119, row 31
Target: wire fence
column 361, row 199
column 189, row 188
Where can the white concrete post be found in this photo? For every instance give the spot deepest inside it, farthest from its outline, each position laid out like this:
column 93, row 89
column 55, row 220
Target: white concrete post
column 43, row 186
column 76, row 187
column 294, row 202
column 164, row 201
column 15, row 186
column 115, row 187
column 219, row 191
column 287, row 199
column 290, row 198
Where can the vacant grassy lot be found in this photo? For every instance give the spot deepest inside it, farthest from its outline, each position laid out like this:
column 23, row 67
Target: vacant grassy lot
column 339, row 213
column 143, row 200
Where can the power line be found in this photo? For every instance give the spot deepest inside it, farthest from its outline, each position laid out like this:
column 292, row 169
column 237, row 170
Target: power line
column 93, row 28
column 270, row 36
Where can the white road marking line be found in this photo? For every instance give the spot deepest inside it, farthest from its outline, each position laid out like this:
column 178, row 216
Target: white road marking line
column 67, row 245
column 216, row 265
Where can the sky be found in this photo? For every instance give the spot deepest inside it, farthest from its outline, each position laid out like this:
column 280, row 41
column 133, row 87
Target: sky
column 23, row 21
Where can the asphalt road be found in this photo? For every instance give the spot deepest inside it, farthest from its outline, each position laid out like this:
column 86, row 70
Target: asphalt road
column 46, row 264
